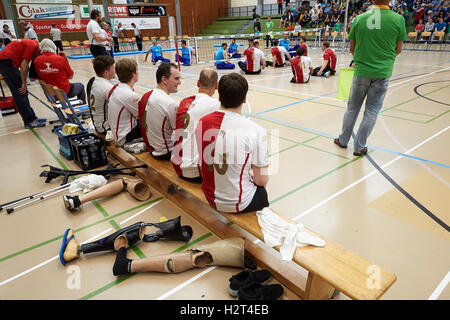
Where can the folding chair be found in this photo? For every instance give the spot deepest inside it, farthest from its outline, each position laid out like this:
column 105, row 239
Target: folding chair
column 76, row 44
column 440, row 35
column 425, row 37
column 334, row 35
column 412, row 36
column 317, row 38
column 71, row 112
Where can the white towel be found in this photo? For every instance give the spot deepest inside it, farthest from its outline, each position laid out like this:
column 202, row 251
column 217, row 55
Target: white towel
column 278, row 232
column 87, row 183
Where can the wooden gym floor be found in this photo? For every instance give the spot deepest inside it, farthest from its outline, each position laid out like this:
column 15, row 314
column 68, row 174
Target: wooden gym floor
column 342, row 197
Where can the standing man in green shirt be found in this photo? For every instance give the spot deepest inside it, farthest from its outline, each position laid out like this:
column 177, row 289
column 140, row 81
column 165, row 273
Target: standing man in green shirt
column 269, row 29
column 376, row 38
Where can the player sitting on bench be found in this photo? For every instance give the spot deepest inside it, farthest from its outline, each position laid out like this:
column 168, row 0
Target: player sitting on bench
column 156, row 51
column 233, row 50
column 278, row 54
column 222, row 54
column 157, row 112
column 329, row 62
column 233, row 149
column 301, row 67
column 255, row 60
column 123, row 103
column 185, row 157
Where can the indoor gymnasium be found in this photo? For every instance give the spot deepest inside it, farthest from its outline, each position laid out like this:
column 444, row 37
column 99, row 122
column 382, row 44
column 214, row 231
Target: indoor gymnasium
column 208, row 150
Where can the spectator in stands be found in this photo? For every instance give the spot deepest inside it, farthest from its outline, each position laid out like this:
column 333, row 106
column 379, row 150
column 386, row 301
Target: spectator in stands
column 257, row 26
column 283, row 19
column 289, row 27
column 94, row 34
column 429, row 26
column 233, row 50
column 56, row 37
column 297, row 28
column 185, row 156
column 280, row 6
column 156, row 51
column 123, row 109
column 7, row 35
column 374, row 51
column 329, row 62
column 116, row 34
column 186, row 54
column 279, row 55
column 419, row 28
column 255, row 60
column 98, row 90
column 137, row 36
column 56, row 71
column 222, row 54
column 235, row 160
column 301, row 67
column 14, row 61
column 158, row 121
column 269, row 30
column 29, row 33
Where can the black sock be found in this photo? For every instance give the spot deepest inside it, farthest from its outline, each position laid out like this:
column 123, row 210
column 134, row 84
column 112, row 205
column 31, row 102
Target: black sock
column 122, row 264
column 249, row 263
column 76, row 201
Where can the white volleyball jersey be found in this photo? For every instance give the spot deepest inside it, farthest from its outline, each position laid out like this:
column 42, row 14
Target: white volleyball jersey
column 91, row 28
column 230, row 145
column 185, row 156
column 98, row 103
column 122, row 111
column 159, row 121
column 254, row 57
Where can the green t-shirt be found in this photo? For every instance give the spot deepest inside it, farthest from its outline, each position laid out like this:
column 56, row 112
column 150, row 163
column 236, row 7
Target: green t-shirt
column 269, row 26
column 376, row 34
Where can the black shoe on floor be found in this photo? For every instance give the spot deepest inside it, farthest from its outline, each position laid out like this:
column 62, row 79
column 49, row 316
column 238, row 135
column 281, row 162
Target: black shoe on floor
column 245, row 278
column 257, row 291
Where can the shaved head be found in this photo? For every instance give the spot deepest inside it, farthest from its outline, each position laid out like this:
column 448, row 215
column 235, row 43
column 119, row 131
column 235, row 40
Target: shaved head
column 208, row 78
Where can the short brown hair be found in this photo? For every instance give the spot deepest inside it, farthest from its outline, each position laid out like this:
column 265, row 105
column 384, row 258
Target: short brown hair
column 232, row 90
column 326, row 44
column 125, row 69
column 208, row 78
column 164, row 70
column 102, row 63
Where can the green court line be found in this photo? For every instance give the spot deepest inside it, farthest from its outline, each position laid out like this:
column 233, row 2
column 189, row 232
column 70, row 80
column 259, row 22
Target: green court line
column 412, row 112
column 332, row 153
column 396, row 117
column 78, row 230
column 285, row 149
column 311, row 139
column 314, row 180
column 128, row 276
column 438, row 116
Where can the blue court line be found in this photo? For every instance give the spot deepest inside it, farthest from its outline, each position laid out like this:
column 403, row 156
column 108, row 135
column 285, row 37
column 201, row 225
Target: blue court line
column 332, row 136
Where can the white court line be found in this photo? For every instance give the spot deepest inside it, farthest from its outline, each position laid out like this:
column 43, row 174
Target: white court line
column 437, row 292
column 184, row 284
column 366, row 177
column 418, row 77
column 46, row 262
column 140, row 212
column 14, row 132
column 290, row 91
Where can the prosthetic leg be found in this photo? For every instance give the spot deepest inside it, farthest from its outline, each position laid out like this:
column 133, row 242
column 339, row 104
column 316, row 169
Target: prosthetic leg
column 137, row 188
column 124, row 238
column 229, row 252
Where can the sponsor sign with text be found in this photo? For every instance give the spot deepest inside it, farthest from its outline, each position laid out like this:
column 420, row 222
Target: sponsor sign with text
column 85, row 13
column 140, row 10
column 44, row 11
column 142, row 23
column 65, row 25
column 117, row 11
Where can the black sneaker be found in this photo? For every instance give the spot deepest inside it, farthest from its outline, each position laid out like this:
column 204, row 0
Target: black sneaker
column 71, row 203
column 257, row 291
column 245, row 278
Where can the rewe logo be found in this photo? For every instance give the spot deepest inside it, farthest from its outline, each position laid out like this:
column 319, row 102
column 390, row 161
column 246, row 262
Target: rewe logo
column 117, row 11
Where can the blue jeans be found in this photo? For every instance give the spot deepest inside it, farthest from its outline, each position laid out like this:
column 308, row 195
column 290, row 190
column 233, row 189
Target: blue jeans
column 14, row 82
column 375, row 91
column 77, row 90
column 224, row 65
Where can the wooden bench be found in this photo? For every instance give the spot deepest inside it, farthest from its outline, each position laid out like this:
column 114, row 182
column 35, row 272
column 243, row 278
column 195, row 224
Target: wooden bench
column 330, row 268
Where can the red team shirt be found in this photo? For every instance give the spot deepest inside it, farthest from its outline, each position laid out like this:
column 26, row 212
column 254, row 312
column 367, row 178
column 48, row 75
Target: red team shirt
column 54, row 70
column 19, row 50
column 331, row 57
column 304, row 46
column 300, row 66
column 254, row 57
column 278, row 54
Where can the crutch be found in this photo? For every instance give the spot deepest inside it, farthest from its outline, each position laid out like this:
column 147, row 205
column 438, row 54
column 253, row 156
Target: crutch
column 9, row 210
column 15, row 202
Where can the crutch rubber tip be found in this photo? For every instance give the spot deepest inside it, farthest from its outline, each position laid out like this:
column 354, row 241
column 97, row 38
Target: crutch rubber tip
column 8, row 211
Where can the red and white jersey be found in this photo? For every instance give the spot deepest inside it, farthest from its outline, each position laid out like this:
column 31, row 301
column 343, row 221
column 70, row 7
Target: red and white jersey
column 98, row 103
column 254, row 57
column 185, row 156
column 301, row 66
column 331, row 57
column 230, row 145
column 305, row 46
column 279, row 54
column 158, row 122
column 122, row 111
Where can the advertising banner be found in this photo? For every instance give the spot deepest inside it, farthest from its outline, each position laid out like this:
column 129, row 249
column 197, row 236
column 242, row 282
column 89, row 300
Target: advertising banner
column 85, row 13
column 119, row 11
column 142, row 23
column 44, row 1
column 44, row 11
column 71, row 25
column 140, row 11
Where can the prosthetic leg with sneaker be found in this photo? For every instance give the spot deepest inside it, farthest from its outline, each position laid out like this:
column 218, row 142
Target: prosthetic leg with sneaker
column 137, row 188
column 124, row 238
column 229, row 252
